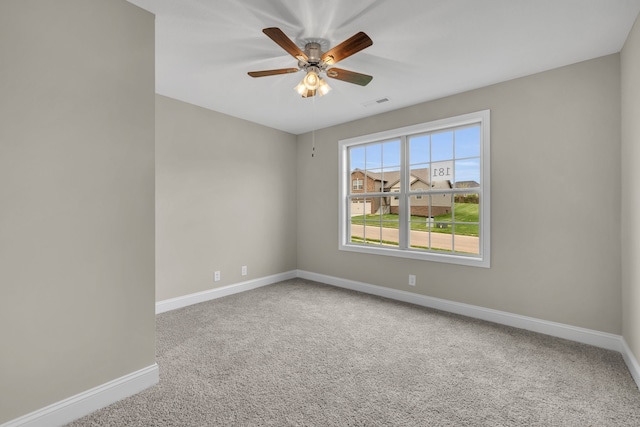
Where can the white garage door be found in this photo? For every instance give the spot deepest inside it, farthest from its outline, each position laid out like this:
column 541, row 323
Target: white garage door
column 359, row 207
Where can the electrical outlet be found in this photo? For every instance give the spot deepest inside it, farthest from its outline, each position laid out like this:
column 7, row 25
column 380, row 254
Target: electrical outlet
column 244, row 270
column 216, row 276
column 412, row 280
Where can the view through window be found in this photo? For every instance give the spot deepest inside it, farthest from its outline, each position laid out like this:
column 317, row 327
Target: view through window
column 419, row 192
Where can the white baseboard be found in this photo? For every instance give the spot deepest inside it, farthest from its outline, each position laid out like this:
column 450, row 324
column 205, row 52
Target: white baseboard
column 560, row 330
column 573, row 333
column 631, row 361
column 195, row 298
column 84, row 403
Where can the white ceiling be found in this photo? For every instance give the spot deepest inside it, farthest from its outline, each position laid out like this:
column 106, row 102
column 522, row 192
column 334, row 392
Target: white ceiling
column 422, row 50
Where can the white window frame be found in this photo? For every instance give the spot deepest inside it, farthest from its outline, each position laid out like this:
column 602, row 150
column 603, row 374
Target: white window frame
column 484, row 258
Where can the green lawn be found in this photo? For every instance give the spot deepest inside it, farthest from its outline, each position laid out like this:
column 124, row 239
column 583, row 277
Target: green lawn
column 465, row 218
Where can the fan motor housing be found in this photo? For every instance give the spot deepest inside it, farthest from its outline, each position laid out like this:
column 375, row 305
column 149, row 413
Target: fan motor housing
column 313, row 52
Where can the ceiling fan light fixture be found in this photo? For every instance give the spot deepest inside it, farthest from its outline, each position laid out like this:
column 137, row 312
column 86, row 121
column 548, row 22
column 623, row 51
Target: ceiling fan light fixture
column 324, row 87
column 312, row 80
column 303, row 91
column 308, row 93
column 300, row 88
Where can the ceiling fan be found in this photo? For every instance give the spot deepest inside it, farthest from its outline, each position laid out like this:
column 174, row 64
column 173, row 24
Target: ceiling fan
column 314, row 62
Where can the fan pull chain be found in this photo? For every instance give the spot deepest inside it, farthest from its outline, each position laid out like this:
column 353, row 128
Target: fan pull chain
column 313, row 130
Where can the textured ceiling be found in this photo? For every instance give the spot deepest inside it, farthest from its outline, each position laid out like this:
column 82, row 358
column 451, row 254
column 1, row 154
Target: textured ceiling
column 422, row 50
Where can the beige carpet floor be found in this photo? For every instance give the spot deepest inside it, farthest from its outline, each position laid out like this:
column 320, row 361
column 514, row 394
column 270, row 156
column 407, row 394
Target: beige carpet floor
column 300, row 353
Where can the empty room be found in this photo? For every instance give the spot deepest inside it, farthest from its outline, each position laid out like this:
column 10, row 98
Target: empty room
column 319, row 213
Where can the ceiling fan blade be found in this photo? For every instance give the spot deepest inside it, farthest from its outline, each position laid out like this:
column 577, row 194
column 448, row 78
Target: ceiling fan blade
column 265, row 73
column 347, row 48
column 285, row 42
column 349, row 76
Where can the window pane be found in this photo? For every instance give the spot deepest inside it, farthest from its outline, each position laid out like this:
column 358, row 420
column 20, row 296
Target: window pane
column 358, row 180
column 420, row 222
column 356, row 158
column 390, row 173
column 441, row 175
column 394, row 202
column 466, row 244
column 419, row 149
column 374, row 182
column 373, row 156
column 358, row 209
column 419, row 177
column 441, row 242
column 467, row 173
column 419, row 207
column 442, row 212
column 390, row 180
column 441, row 206
column 419, row 180
column 468, row 142
column 359, row 206
column 391, row 154
column 442, row 146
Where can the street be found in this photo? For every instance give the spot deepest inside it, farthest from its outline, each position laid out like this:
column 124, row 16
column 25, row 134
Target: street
column 467, row 244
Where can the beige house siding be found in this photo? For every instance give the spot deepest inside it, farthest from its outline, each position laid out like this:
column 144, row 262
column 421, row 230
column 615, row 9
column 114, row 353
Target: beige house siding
column 440, row 203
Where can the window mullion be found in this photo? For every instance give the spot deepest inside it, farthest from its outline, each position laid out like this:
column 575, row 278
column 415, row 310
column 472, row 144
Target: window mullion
column 404, row 208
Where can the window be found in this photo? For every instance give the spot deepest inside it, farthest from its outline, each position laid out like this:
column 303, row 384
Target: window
column 438, row 173
column 357, row 184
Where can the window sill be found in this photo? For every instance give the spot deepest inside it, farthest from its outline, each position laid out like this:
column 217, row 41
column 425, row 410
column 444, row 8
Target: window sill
column 460, row 259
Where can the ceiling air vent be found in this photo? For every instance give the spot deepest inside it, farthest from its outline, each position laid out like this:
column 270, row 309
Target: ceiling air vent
column 375, row 101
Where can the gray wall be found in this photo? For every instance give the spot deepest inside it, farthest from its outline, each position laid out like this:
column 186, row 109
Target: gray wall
column 225, row 197
column 555, row 225
column 76, row 196
column 630, row 60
